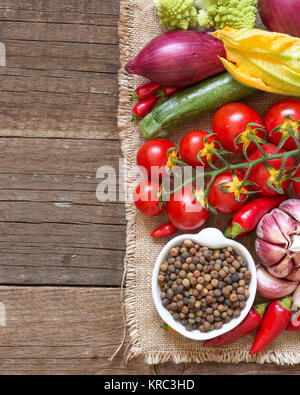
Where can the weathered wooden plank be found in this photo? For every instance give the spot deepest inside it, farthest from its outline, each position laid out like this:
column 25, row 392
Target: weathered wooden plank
column 35, row 55
column 31, row 122
column 64, row 81
column 61, row 254
column 96, row 13
column 110, row 7
column 58, row 32
column 57, row 236
column 53, row 229
column 77, row 93
column 57, row 156
column 61, row 16
column 64, row 330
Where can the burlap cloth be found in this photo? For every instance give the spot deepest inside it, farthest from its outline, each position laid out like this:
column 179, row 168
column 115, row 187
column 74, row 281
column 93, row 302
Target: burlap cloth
column 138, row 25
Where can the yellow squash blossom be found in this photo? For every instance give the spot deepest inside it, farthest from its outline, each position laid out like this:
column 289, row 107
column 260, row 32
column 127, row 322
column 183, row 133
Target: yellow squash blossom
column 264, row 60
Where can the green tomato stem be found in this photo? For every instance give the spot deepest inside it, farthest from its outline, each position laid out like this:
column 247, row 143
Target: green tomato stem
column 231, row 167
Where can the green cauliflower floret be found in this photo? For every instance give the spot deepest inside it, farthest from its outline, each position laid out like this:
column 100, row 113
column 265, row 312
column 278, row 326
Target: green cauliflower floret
column 218, row 14
column 177, row 14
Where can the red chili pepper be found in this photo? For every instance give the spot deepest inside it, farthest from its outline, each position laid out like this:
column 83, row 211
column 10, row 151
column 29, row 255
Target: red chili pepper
column 276, row 319
column 165, row 230
column 294, row 326
column 252, row 322
column 246, row 219
column 170, row 91
column 141, row 109
column 146, row 90
column 228, row 231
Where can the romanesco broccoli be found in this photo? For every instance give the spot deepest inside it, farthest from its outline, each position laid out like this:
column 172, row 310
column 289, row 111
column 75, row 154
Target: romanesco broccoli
column 218, row 14
column 177, row 14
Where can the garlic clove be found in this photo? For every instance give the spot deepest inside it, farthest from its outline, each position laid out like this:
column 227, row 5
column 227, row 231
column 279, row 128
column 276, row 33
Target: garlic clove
column 271, row 287
column 296, row 300
column 286, row 223
column 295, row 246
column 296, row 258
column 291, row 207
column 294, row 275
column 268, row 230
column 268, row 253
column 283, row 268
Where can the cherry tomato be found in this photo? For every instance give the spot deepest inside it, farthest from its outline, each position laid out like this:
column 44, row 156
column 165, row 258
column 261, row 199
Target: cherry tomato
column 153, row 154
column 225, row 202
column 283, row 115
column 185, row 212
column 297, row 184
column 146, row 198
column 231, row 120
column 260, row 174
column 192, row 143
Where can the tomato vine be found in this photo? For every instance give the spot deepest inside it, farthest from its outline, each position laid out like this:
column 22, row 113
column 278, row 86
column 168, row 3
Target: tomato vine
column 277, row 176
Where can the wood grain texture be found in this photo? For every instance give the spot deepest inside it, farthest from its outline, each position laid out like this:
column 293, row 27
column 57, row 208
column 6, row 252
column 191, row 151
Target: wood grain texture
column 51, row 330
column 62, row 59
column 62, row 330
column 53, row 229
column 61, row 250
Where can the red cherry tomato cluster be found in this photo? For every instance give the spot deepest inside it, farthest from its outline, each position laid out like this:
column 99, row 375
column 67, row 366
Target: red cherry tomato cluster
column 235, row 124
column 237, row 128
column 184, row 211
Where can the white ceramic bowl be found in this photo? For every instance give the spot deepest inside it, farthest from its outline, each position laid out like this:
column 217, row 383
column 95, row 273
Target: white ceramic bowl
column 212, row 238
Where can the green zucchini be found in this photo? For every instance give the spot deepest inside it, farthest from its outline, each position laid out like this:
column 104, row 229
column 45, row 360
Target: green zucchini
column 188, row 104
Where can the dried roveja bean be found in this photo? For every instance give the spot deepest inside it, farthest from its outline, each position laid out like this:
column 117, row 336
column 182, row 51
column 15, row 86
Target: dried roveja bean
column 204, row 288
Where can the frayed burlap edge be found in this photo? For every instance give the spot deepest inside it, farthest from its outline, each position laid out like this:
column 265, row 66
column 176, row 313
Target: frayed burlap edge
column 223, row 356
column 125, row 91
column 134, row 348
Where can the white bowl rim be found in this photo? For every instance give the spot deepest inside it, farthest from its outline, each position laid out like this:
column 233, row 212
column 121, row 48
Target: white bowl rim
column 212, row 238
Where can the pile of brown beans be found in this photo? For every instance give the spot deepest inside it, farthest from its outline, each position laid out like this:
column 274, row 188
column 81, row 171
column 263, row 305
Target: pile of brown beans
column 204, row 288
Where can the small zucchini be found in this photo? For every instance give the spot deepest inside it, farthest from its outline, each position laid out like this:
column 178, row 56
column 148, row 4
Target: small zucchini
column 188, row 104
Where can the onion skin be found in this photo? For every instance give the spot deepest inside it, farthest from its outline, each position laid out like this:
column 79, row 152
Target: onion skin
column 179, row 58
column 281, row 16
column 271, row 287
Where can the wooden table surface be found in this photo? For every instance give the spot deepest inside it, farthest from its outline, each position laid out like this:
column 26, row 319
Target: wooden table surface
column 61, row 250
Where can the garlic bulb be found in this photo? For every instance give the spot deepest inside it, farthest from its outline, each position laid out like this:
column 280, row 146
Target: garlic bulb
column 278, row 241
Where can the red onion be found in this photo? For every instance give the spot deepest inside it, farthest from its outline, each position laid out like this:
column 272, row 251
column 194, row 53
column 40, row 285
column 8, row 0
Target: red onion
column 281, row 16
column 271, row 287
column 179, row 58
